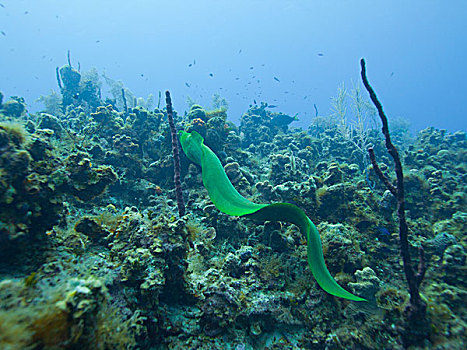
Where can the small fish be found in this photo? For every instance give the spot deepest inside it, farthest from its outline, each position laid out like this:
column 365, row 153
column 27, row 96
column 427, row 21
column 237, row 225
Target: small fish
column 3, row 33
column 98, row 41
column 239, row 51
column 383, row 234
column 320, row 54
column 305, row 97
column 222, row 154
column 254, row 101
column 211, row 75
column 26, row 12
column 276, row 79
column 252, row 67
column 283, row 119
column 194, row 61
column 190, row 65
column 237, row 78
column 1, row 5
column 383, row 231
column 271, row 106
column 187, row 85
column 392, row 73
column 142, row 75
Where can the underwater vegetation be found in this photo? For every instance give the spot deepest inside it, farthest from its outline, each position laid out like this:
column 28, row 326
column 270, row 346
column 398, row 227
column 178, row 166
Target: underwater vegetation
column 95, row 252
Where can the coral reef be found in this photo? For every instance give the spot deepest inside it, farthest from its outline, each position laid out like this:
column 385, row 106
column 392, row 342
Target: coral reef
column 94, row 255
column 14, row 107
column 30, row 199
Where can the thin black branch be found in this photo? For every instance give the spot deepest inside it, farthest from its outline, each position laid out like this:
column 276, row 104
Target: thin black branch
column 380, row 174
column 176, row 155
column 417, row 308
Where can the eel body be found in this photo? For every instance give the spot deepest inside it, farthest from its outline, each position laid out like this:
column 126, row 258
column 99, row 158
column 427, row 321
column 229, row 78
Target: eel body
column 227, row 199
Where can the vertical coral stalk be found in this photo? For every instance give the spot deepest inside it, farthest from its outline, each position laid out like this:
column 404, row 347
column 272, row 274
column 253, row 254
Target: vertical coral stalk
column 57, row 73
column 176, row 155
column 418, row 324
column 125, row 106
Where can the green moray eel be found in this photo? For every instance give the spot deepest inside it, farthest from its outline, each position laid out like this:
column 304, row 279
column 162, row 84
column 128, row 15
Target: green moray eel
column 227, row 199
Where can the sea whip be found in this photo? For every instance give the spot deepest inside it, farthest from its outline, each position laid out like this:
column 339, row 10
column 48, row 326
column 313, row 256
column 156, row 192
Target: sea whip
column 176, row 156
column 418, row 324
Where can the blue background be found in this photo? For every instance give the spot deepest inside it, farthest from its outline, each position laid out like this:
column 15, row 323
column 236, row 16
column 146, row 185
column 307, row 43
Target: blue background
column 415, row 51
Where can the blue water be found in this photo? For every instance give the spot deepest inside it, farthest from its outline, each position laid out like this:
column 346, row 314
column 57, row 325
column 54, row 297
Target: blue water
column 415, row 52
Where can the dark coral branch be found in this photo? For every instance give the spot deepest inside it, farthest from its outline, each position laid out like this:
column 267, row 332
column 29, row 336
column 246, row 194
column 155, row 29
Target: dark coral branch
column 380, row 174
column 421, row 265
column 398, row 190
column 417, row 307
column 68, row 56
column 176, row 155
column 125, row 105
column 57, row 73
